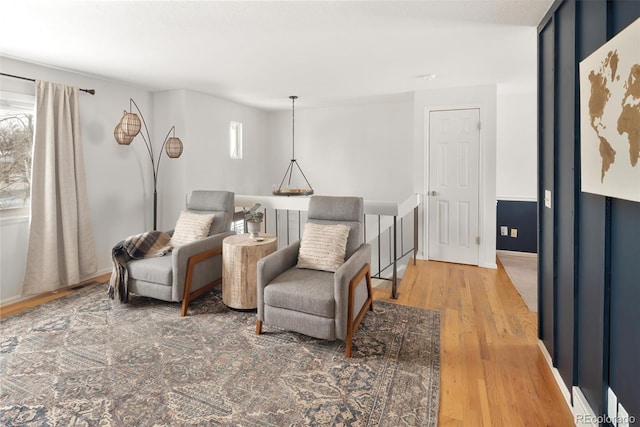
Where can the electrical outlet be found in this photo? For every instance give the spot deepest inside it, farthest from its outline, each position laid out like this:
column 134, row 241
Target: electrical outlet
column 547, row 199
column 504, row 230
column 514, row 232
column 612, row 407
column 623, row 416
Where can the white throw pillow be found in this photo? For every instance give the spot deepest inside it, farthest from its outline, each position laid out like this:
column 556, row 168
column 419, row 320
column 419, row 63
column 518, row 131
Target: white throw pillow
column 323, row 247
column 190, row 227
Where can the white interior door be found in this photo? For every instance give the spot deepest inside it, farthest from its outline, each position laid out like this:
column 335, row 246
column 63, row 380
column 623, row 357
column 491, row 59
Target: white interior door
column 454, row 141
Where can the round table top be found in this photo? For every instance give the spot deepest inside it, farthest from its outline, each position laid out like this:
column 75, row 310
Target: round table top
column 245, row 240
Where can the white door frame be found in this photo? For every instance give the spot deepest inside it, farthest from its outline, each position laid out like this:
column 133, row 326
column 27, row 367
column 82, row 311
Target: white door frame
column 486, row 183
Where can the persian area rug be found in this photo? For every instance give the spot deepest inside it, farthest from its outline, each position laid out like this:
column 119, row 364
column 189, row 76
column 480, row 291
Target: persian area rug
column 83, row 360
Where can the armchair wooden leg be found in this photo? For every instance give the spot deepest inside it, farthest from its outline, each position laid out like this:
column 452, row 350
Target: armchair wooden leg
column 185, row 306
column 187, row 289
column 258, row 327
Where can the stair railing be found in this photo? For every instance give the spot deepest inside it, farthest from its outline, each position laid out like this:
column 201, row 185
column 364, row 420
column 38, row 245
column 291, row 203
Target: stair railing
column 285, row 217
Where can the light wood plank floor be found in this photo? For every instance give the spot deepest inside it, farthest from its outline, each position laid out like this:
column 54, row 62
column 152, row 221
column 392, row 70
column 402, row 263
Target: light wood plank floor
column 492, row 371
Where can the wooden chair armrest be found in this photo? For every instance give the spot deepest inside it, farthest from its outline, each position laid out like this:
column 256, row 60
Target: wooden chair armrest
column 191, row 263
column 352, row 325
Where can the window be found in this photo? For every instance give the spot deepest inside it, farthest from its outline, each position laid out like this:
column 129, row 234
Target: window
column 235, row 140
column 237, row 224
column 17, row 119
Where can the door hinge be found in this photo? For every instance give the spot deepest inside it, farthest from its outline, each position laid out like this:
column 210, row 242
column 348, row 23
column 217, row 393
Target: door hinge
column 478, row 240
column 479, row 125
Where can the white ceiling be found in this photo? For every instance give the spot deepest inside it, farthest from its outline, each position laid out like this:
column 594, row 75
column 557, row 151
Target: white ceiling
column 260, row 52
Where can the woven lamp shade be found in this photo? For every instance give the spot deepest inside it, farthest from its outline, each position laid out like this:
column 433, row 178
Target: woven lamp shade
column 173, row 147
column 121, row 137
column 131, row 124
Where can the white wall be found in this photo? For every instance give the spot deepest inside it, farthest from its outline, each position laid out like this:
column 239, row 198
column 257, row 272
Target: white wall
column 375, row 150
column 116, row 175
column 517, row 124
column 484, row 98
column 516, row 162
column 169, row 110
column 205, row 163
column 362, row 150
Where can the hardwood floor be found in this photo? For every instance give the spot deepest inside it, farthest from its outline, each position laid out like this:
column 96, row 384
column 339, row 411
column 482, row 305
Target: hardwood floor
column 26, row 303
column 492, row 371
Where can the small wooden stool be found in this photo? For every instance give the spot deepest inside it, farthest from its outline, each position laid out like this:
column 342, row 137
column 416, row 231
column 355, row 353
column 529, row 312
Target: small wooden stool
column 240, row 255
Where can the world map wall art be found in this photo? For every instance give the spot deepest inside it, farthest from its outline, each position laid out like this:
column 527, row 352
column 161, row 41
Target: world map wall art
column 610, row 117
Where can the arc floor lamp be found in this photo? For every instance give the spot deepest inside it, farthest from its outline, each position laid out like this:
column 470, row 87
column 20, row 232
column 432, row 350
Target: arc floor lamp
column 129, row 127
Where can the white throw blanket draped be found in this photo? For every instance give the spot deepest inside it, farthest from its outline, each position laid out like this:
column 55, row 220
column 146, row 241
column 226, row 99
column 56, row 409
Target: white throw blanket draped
column 61, row 249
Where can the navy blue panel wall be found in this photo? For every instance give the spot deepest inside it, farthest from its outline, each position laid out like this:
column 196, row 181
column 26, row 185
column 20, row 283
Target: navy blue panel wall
column 546, row 162
column 624, row 328
column 523, row 216
column 624, row 331
column 590, row 279
column 565, row 183
column 624, row 356
column 590, row 304
column 591, row 33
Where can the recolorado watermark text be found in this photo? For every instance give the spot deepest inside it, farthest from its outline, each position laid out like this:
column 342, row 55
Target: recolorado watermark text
column 600, row 419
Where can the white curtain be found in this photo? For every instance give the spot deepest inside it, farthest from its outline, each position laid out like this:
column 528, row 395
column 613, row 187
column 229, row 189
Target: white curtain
column 61, row 247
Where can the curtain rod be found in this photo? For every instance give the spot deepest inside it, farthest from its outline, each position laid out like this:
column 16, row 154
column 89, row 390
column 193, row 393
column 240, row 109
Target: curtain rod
column 89, row 91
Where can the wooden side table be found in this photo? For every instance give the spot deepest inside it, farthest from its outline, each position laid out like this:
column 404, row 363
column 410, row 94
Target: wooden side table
column 240, row 255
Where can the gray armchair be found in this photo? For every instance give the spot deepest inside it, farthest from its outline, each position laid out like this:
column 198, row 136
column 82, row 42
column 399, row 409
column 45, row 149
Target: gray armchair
column 320, row 304
column 191, row 269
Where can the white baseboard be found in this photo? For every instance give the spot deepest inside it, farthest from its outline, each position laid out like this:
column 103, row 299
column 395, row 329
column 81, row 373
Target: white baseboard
column 556, row 375
column 516, row 253
column 19, row 298
column 491, row 265
column 583, row 415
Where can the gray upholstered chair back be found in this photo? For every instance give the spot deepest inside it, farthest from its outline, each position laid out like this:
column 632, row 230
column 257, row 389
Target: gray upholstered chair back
column 219, row 203
column 340, row 210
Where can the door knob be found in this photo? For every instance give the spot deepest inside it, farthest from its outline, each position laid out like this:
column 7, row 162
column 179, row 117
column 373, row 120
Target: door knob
column 434, row 193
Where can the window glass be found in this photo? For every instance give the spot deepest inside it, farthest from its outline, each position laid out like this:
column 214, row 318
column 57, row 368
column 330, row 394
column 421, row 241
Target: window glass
column 17, row 120
column 235, row 140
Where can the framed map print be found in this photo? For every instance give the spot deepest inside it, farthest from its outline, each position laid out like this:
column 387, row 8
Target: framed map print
column 610, row 117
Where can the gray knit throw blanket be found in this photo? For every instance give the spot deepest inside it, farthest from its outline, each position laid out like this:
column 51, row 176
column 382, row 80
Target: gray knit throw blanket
column 145, row 245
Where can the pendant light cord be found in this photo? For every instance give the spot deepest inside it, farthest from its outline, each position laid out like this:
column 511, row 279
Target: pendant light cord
column 293, row 127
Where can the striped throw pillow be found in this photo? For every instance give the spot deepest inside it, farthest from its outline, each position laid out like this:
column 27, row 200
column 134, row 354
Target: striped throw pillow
column 323, row 247
column 190, row 227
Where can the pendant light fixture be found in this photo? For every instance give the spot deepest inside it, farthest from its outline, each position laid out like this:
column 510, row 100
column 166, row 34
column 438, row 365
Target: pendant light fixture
column 288, row 186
